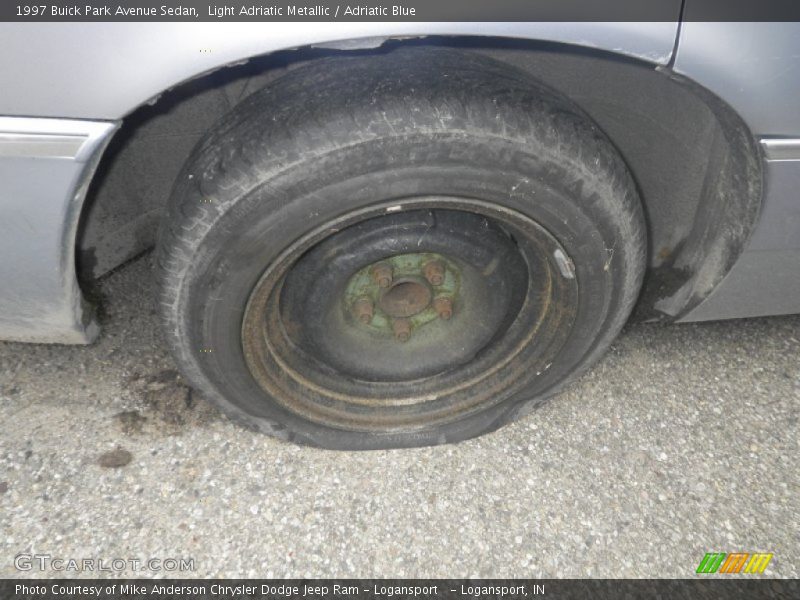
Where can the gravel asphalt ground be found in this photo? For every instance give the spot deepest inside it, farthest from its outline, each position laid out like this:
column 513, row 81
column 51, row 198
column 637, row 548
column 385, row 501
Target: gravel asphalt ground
column 683, row 440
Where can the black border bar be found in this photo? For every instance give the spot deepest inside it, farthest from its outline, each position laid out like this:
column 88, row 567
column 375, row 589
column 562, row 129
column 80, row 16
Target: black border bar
column 730, row 588
column 395, row 10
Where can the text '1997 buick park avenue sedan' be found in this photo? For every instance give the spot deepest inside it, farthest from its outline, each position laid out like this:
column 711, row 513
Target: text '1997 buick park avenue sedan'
column 374, row 235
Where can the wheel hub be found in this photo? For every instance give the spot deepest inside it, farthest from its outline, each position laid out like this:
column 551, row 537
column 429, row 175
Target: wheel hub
column 405, row 299
column 402, row 293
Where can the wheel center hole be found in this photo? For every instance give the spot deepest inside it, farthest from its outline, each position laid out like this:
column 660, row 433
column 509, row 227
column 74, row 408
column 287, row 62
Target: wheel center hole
column 405, row 298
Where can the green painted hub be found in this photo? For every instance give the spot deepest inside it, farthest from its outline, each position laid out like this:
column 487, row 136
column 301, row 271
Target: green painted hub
column 408, row 280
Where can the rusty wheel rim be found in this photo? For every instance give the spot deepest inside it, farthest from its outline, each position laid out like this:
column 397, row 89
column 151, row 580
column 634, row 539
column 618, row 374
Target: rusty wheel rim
column 324, row 391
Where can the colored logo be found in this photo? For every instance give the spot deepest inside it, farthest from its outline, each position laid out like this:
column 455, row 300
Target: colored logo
column 736, row 562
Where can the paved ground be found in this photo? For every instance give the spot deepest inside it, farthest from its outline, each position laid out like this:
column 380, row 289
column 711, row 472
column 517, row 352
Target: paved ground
column 684, row 440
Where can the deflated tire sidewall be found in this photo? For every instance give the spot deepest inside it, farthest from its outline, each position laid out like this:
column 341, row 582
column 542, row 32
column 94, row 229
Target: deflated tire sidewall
column 240, row 246
column 272, row 171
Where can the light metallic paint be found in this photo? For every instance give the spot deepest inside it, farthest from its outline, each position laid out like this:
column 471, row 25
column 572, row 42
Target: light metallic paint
column 755, row 68
column 42, row 186
column 105, row 70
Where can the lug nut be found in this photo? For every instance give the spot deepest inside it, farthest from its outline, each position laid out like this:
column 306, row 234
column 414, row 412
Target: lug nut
column 382, row 274
column 444, row 307
column 402, row 329
column 363, row 310
column 434, row 272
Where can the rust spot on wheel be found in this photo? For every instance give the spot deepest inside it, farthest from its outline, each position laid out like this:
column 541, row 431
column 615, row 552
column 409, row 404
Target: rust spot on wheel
column 363, row 310
column 382, row 274
column 443, row 307
column 434, row 272
column 402, row 329
column 405, row 299
column 408, row 295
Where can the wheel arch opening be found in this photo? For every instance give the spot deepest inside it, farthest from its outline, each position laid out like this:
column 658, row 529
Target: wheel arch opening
column 697, row 166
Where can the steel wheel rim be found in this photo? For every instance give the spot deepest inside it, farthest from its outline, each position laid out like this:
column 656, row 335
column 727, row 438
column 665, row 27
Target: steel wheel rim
column 545, row 316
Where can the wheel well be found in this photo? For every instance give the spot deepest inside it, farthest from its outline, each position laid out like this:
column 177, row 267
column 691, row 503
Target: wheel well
column 697, row 166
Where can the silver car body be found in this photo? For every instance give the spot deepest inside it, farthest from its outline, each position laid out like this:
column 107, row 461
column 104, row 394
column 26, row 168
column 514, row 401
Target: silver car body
column 68, row 86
